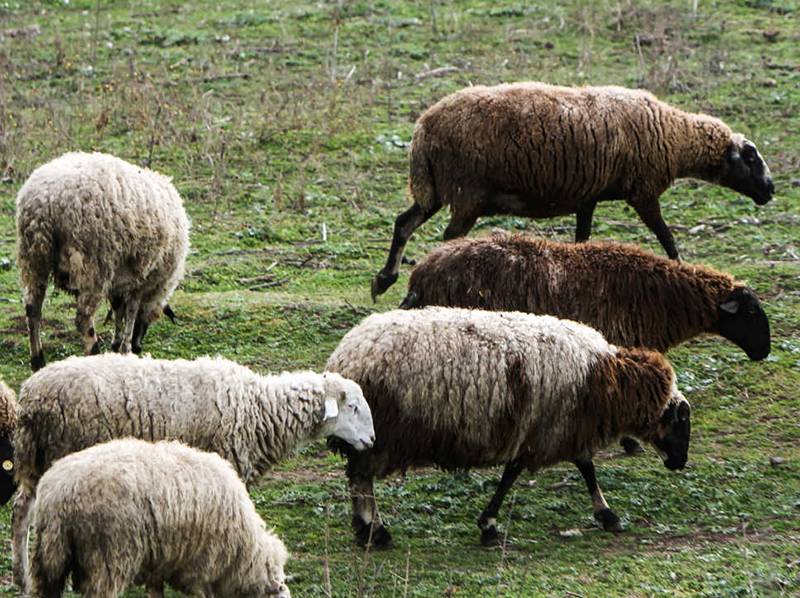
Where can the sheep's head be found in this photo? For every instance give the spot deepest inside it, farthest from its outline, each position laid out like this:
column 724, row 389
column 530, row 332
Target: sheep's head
column 742, row 321
column 347, row 413
column 8, row 422
column 670, row 435
column 273, row 584
column 745, row 171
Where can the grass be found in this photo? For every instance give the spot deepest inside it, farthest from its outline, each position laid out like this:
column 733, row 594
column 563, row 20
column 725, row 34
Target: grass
column 278, row 118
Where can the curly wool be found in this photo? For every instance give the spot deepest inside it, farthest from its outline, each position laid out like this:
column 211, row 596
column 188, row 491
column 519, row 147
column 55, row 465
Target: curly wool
column 648, row 301
column 466, row 388
column 131, row 512
column 102, row 227
column 210, row 403
column 558, row 144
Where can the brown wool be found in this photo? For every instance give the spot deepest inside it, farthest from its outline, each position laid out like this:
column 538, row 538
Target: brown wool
column 647, row 300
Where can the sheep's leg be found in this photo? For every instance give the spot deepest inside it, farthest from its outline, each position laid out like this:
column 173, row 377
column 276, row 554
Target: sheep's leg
column 404, row 226
column 139, row 330
column 459, row 225
column 33, row 314
column 602, row 512
column 20, row 520
column 367, row 524
column 650, row 213
column 155, row 591
column 118, row 307
column 131, row 311
column 84, row 321
column 583, row 228
column 631, row 446
column 488, row 519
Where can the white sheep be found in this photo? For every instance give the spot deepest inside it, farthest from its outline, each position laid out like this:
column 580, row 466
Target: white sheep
column 464, row 388
column 213, row 404
column 130, row 512
column 102, row 227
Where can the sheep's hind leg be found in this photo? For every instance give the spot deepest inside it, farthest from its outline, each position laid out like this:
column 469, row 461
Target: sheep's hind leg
column 118, row 307
column 488, row 519
column 602, row 512
column 367, row 524
column 33, row 314
column 131, row 313
column 404, row 227
column 20, row 521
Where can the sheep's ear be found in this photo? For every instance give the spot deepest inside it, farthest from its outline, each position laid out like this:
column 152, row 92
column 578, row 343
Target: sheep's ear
column 331, row 409
column 730, row 307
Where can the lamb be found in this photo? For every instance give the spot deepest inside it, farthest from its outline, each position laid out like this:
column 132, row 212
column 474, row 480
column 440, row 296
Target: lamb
column 158, row 513
column 101, row 227
column 8, row 422
column 538, row 151
column 463, row 388
column 213, row 404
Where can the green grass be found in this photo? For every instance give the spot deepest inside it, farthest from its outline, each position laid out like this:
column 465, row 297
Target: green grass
column 275, row 118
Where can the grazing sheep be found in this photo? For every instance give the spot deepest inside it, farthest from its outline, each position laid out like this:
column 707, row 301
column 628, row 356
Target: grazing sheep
column 102, row 228
column 637, row 300
column 460, row 388
column 8, row 423
column 539, row 151
column 129, row 512
column 254, row 421
column 634, row 298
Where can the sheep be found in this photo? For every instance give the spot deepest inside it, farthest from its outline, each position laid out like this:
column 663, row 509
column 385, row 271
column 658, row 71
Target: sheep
column 637, row 299
column 8, row 423
column 463, row 388
column 213, row 404
column 130, row 512
column 644, row 300
column 101, row 227
column 538, row 151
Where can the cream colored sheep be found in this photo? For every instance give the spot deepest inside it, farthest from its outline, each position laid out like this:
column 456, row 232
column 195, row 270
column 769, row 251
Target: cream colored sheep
column 101, row 227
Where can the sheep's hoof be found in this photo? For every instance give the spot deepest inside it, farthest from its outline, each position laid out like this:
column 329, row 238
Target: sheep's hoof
column 377, row 538
column 631, row 446
column 136, row 349
column 408, row 261
column 95, row 350
column 609, row 520
column 380, row 283
column 37, row 362
column 490, row 537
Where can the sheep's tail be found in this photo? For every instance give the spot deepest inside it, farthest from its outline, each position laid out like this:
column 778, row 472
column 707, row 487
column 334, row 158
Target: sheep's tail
column 29, row 455
column 51, row 557
column 421, row 184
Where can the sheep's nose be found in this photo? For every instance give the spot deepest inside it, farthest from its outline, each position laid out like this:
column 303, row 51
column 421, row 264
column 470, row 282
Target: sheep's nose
column 771, row 187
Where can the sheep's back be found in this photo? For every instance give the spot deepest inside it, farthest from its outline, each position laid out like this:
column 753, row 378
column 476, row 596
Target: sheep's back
column 467, row 388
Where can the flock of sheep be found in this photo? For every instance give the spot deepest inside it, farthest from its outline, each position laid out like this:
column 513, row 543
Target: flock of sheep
column 133, row 470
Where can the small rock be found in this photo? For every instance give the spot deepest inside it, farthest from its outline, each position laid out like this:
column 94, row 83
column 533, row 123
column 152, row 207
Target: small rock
column 795, row 182
column 5, row 263
column 771, row 34
column 548, row 45
column 776, row 461
column 769, row 83
column 697, row 229
column 571, row 533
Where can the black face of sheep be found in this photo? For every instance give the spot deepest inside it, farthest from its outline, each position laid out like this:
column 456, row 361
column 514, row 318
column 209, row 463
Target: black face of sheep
column 743, row 321
column 7, row 484
column 746, row 172
column 673, row 440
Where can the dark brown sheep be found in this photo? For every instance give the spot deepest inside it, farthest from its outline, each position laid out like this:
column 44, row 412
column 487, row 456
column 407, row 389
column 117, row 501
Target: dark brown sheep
column 539, row 151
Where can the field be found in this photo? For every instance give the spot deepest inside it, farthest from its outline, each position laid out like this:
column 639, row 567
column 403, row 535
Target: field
column 285, row 125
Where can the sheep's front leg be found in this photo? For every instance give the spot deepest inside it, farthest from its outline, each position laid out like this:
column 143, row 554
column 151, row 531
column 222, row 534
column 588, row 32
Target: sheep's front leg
column 488, row 519
column 84, row 321
column 650, row 213
column 367, row 524
column 33, row 314
column 404, row 226
column 20, row 520
column 602, row 512
column 131, row 311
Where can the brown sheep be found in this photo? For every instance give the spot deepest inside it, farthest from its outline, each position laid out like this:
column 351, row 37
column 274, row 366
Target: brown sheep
column 537, row 150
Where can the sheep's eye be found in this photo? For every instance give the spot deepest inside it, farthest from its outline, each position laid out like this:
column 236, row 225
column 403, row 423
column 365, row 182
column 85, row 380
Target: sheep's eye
column 8, row 465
